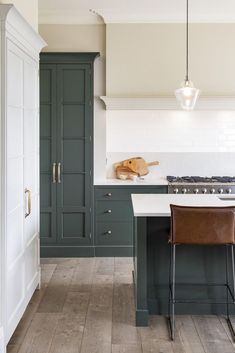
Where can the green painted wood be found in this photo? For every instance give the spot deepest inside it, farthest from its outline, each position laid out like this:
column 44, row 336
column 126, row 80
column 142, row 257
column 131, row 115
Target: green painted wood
column 116, row 251
column 67, row 251
column 66, row 129
column 124, row 192
column 120, row 221
column 140, row 271
column 194, row 264
column 114, row 233
column 47, row 152
column 117, row 210
column 73, row 151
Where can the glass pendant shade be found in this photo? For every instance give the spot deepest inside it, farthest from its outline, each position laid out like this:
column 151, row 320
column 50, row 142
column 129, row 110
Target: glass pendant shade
column 187, row 95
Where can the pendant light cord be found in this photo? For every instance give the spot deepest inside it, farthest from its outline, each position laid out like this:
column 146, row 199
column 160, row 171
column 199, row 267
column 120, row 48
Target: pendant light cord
column 186, row 78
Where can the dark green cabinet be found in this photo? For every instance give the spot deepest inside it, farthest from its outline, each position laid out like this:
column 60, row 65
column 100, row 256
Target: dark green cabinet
column 114, row 218
column 66, row 125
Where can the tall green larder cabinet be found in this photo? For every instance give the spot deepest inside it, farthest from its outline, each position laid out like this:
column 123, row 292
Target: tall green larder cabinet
column 66, row 147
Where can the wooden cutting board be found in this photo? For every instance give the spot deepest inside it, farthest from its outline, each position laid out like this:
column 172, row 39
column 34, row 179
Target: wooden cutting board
column 137, row 165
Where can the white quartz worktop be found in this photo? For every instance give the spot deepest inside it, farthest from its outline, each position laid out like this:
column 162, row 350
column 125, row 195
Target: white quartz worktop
column 138, row 182
column 158, row 205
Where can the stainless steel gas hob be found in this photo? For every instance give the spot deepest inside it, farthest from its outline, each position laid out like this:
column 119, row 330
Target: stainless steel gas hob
column 201, row 185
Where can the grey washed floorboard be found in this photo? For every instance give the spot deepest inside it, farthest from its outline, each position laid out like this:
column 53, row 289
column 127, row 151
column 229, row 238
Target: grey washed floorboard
column 86, row 305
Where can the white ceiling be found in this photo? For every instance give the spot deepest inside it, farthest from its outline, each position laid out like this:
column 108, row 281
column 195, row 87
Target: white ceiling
column 78, row 11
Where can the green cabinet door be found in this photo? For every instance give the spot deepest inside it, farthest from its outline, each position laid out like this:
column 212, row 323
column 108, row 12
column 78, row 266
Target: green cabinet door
column 48, row 156
column 66, row 115
column 73, row 154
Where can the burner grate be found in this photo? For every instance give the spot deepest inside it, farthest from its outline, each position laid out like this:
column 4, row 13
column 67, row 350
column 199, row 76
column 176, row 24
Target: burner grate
column 198, row 179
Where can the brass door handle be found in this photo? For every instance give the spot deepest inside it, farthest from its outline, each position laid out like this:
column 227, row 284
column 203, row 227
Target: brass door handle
column 53, row 173
column 28, row 192
column 59, row 173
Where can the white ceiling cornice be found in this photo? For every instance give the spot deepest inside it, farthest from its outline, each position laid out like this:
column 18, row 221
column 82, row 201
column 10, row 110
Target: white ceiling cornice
column 69, row 17
column 143, row 16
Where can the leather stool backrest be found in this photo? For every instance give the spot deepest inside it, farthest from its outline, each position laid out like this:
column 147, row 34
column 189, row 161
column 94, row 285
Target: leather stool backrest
column 202, row 225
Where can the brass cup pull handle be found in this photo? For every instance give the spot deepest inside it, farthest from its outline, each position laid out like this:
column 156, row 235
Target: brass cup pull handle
column 28, row 193
column 59, row 173
column 53, row 173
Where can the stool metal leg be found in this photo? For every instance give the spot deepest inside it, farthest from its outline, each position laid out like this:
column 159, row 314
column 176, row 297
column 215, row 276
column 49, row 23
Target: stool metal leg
column 233, row 294
column 171, row 303
column 227, row 284
column 172, row 292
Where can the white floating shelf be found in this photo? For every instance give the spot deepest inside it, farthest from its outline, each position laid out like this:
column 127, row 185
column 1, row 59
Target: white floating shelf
column 166, row 103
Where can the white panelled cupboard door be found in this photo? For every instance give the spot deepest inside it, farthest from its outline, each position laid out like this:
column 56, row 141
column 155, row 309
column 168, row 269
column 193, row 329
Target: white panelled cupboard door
column 22, row 230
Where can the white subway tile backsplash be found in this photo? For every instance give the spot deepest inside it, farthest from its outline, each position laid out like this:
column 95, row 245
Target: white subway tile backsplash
column 170, row 131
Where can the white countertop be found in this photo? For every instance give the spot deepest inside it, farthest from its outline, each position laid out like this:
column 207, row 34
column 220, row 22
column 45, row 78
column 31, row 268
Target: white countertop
column 158, row 205
column 138, row 182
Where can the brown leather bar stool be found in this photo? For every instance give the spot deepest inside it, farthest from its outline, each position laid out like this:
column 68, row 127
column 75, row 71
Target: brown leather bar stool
column 201, row 226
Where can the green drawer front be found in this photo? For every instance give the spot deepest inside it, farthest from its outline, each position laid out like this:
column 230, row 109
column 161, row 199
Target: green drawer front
column 114, row 233
column 112, row 194
column 114, row 211
column 124, row 192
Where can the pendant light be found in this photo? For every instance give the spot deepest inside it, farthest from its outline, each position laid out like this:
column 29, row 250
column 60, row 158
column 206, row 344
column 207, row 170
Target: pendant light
column 187, row 94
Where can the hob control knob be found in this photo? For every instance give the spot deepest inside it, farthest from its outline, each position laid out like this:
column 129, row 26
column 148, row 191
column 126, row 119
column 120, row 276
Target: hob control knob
column 212, row 191
column 184, row 190
column 204, row 190
column 229, row 191
column 196, row 191
column 176, row 190
column 220, row 191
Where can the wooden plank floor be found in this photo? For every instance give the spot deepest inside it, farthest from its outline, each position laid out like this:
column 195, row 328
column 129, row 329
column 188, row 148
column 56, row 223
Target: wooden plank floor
column 86, row 305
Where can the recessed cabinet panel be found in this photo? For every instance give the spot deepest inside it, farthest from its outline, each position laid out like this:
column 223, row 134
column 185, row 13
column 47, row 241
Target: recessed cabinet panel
column 14, row 78
column 45, row 190
column 45, row 228
column 73, row 190
column 30, row 86
column 15, row 235
column 15, row 188
column 73, row 120
column 73, row 156
column 73, row 225
column 73, row 85
column 45, row 120
column 15, row 288
column 30, row 118
column 45, row 152
column 45, row 85
column 14, row 132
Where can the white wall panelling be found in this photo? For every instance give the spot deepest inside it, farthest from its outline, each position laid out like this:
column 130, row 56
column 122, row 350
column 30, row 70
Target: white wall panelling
column 20, row 271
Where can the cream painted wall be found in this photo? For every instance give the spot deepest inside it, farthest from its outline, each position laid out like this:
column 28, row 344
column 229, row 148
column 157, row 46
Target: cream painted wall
column 27, row 8
column 149, row 59
column 79, row 38
column 85, row 38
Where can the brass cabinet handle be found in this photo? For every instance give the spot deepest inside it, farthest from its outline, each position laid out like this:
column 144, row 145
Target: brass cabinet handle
column 59, row 173
column 53, row 173
column 28, row 192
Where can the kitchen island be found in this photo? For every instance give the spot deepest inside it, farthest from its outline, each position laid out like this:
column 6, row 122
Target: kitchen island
column 195, row 264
